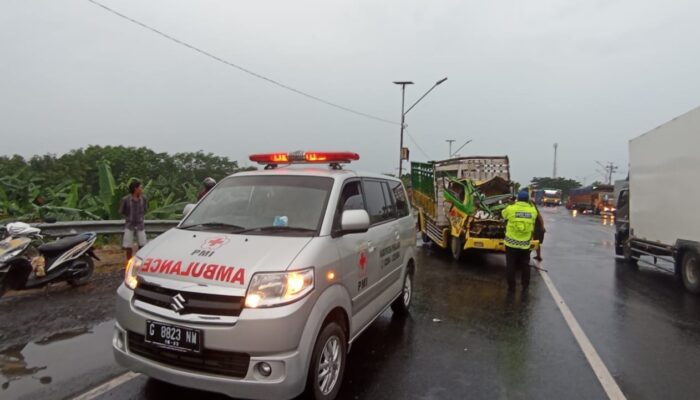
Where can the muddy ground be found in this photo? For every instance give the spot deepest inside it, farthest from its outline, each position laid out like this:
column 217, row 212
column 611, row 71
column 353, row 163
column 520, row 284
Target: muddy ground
column 33, row 315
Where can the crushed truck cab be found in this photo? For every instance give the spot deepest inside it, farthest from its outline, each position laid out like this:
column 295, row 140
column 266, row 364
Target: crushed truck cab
column 459, row 202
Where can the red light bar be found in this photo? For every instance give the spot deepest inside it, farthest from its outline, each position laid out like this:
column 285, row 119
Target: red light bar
column 308, row 157
column 272, row 158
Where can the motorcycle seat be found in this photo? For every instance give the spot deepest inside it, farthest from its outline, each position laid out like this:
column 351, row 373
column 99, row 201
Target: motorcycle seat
column 63, row 244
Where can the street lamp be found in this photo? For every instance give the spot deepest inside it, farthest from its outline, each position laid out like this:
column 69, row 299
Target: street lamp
column 449, row 142
column 403, row 113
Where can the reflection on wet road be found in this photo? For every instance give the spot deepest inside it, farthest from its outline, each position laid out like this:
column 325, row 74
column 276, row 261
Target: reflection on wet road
column 466, row 338
column 50, row 367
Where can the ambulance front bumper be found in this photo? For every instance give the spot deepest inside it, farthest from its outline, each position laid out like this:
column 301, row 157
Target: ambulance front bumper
column 277, row 344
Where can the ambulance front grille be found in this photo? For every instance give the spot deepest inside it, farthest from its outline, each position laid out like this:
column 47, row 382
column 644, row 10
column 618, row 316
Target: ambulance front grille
column 209, row 361
column 195, row 303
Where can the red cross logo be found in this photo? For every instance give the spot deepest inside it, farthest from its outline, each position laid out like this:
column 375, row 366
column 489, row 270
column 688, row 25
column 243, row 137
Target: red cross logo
column 216, row 242
column 212, row 244
column 362, row 262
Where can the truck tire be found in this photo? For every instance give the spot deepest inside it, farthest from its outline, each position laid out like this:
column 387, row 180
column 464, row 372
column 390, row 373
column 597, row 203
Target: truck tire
column 620, row 244
column 425, row 238
column 690, row 271
column 457, row 247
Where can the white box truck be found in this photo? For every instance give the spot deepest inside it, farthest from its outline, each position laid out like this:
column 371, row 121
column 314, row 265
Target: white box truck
column 658, row 223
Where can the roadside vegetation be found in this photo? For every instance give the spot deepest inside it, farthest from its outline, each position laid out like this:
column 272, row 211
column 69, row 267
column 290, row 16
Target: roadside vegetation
column 87, row 183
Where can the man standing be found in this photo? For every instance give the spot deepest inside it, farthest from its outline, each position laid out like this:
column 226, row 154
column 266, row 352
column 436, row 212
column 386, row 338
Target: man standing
column 133, row 208
column 207, row 185
column 520, row 224
column 539, row 233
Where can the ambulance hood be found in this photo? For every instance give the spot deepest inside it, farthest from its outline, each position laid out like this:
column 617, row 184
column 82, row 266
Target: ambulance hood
column 217, row 259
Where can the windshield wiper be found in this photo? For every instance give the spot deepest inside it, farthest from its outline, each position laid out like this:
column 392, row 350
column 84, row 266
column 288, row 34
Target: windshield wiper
column 213, row 225
column 277, row 229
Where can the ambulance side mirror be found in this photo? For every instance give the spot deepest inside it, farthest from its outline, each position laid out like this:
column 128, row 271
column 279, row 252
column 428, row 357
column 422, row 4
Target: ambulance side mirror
column 354, row 221
column 188, row 209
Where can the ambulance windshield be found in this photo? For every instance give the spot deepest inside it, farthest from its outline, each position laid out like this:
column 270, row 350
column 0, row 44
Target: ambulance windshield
column 263, row 205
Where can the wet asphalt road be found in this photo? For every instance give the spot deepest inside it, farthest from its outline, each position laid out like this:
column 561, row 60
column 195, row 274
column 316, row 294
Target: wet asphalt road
column 466, row 337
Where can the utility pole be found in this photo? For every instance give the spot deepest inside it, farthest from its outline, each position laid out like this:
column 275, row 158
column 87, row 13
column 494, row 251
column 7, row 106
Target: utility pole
column 554, row 172
column 608, row 170
column 403, row 118
column 450, row 141
column 403, row 153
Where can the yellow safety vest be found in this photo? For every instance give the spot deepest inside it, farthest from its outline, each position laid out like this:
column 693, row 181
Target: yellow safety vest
column 520, row 224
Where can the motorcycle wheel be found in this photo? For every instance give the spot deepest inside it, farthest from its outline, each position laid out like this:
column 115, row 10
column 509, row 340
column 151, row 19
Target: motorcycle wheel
column 84, row 277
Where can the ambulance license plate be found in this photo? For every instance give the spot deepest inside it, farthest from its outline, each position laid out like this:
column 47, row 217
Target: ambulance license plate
column 174, row 337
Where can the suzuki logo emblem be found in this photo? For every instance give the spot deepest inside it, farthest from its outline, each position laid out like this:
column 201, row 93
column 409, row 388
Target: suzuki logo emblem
column 177, row 303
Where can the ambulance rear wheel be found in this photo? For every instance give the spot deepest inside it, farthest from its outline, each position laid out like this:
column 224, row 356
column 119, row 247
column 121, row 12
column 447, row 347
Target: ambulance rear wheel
column 457, row 247
column 403, row 302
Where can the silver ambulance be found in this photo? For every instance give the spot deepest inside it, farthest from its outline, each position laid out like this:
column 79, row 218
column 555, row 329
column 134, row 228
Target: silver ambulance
column 264, row 285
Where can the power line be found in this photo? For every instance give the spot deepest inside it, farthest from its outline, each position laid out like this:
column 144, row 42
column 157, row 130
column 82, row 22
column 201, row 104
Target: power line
column 427, row 157
column 240, row 68
column 608, row 170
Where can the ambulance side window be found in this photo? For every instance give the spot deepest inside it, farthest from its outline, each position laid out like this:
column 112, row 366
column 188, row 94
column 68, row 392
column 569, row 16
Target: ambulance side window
column 400, row 197
column 377, row 206
column 389, row 201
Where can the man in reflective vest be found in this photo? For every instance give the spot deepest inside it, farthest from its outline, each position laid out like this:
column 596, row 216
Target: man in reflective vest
column 520, row 224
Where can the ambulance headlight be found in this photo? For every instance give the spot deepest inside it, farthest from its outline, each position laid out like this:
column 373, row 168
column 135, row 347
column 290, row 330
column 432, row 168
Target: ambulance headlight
column 132, row 271
column 279, row 288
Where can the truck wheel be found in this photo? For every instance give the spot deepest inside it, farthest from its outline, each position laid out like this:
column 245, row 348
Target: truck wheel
column 457, row 247
column 424, row 237
column 327, row 363
column 690, row 272
column 619, row 244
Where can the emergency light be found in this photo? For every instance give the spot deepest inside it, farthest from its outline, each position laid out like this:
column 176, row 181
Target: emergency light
column 304, row 157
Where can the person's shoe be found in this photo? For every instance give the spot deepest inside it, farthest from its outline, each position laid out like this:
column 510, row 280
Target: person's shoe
column 537, row 258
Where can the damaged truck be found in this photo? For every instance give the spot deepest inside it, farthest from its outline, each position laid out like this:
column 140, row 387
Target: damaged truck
column 459, row 202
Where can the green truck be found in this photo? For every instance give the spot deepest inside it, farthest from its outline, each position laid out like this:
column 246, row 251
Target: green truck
column 459, row 202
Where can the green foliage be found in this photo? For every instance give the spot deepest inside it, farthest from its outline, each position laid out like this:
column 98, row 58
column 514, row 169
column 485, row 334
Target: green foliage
column 89, row 183
column 563, row 184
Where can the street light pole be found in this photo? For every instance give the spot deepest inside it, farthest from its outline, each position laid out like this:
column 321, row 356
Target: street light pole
column 403, row 118
column 403, row 113
column 450, row 141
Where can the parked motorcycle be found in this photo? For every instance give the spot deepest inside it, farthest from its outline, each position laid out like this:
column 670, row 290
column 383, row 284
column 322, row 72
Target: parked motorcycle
column 26, row 262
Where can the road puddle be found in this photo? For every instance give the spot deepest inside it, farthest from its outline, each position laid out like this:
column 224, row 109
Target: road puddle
column 33, row 369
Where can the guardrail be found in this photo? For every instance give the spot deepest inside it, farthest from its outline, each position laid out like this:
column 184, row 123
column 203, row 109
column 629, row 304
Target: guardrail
column 111, row 227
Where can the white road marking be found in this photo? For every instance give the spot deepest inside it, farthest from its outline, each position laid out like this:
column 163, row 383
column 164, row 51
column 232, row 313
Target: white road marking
column 601, row 371
column 107, row 386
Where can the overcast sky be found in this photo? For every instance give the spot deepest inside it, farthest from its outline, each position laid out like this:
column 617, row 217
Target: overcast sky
column 587, row 74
